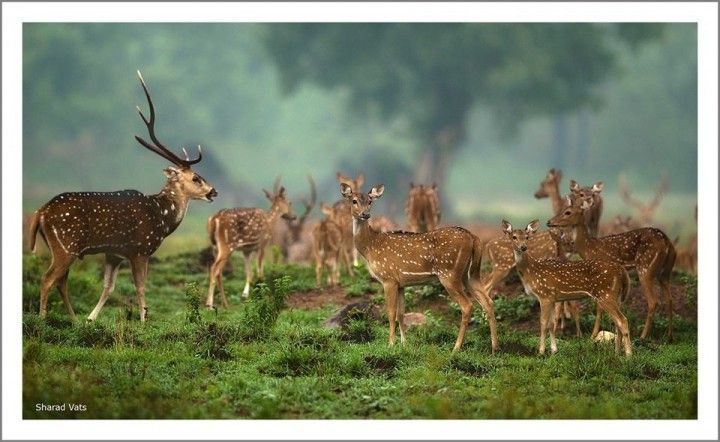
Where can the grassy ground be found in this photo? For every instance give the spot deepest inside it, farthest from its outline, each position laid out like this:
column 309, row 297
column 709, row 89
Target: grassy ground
column 263, row 359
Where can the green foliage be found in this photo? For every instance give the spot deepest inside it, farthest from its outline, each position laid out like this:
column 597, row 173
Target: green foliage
column 193, row 301
column 514, row 309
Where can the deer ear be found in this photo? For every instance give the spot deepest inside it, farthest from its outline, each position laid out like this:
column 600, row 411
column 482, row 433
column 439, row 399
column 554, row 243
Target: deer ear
column 598, row 187
column 558, row 175
column 360, row 180
column 345, row 190
column 282, row 191
column 377, row 191
column 574, row 186
column 412, row 185
column 327, row 210
column 507, row 227
column 533, row 226
column 172, row 173
column 268, row 195
column 434, row 185
column 568, row 200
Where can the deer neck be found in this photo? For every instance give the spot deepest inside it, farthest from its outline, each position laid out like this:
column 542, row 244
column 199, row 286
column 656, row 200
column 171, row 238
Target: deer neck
column 172, row 205
column 273, row 215
column 363, row 234
column 581, row 238
column 555, row 198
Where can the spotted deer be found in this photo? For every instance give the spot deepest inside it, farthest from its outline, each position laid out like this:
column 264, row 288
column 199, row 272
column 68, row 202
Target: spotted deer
column 122, row 225
column 288, row 235
column 422, row 208
column 592, row 216
column 648, row 250
column 451, row 255
column 566, row 309
column 327, row 243
column 554, row 280
column 248, row 230
column 645, row 211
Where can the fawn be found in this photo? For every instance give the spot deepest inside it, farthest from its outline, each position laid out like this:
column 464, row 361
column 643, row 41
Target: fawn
column 327, row 243
column 554, row 280
column 451, row 255
column 245, row 229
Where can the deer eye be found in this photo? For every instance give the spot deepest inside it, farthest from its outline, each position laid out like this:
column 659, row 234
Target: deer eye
column 567, row 212
column 196, row 179
column 354, row 201
column 369, row 202
column 514, row 236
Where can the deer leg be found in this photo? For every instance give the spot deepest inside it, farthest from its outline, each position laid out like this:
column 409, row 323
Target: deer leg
column 456, row 290
column 575, row 311
column 355, row 257
column 558, row 307
column 546, row 310
column 248, row 274
column 498, row 273
column 346, row 260
column 598, row 318
column 391, row 293
column 223, row 298
column 261, row 263
column 551, row 330
column 139, row 265
column 335, row 269
column 58, row 267
column 487, row 305
column 62, row 286
column 665, row 286
column 215, row 276
column 401, row 315
column 651, row 297
column 621, row 325
column 112, row 264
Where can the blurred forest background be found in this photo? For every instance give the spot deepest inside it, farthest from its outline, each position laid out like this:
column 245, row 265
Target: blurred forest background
column 484, row 110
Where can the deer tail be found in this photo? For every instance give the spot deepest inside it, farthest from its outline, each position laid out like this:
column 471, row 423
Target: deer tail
column 477, row 253
column 211, row 228
column 34, row 227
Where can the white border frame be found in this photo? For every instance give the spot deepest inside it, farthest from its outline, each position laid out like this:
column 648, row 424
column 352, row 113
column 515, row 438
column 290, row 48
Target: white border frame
column 705, row 14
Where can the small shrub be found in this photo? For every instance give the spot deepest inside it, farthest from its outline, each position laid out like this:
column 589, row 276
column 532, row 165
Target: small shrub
column 193, row 301
column 211, row 342
column 94, row 334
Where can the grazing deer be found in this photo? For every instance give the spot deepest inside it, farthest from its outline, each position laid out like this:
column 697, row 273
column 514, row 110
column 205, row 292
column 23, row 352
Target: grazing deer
column 554, row 280
column 592, row 216
column 343, row 218
column 645, row 211
column 451, row 255
column 245, row 229
column 327, row 243
column 423, row 208
column 648, row 250
column 288, row 234
column 550, row 188
column 124, row 224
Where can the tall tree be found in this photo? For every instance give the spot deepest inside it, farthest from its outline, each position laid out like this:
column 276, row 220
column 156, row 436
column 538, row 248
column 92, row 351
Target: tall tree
column 430, row 75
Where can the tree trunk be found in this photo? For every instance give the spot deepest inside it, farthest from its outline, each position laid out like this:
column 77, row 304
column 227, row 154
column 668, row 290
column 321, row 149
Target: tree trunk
column 436, row 158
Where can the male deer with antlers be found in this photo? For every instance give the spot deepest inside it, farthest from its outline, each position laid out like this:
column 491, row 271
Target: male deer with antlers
column 423, row 208
column 122, row 225
column 648, row 250
column 554, row 280
column 451, row 255
column 245, row 229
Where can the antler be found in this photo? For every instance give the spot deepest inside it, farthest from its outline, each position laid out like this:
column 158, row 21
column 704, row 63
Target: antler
column 158, row 147
column 276, row 184
column 313, row 198
column 625, row 195
column 659, row 192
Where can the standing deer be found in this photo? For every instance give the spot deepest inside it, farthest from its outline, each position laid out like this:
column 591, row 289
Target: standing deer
column 451, row 255
column 645, row 211
column 592, row 216
column 550, row 188
column 288, row 234
column 123, row 224
column 423, row 208
column 648, row 250
column 343, row 218
column 554, row 280
column 327, row 242
column 245, row 229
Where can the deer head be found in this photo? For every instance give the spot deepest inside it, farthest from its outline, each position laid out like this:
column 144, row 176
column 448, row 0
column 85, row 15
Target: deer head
column 518, row 237
column 573, row 215
column 578, row 192
column 360, row 202
column 181, row 179
column 280, row 203
column 549, row 184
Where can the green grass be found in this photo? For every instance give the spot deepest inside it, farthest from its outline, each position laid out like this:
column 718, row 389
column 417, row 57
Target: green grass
column 261, row 360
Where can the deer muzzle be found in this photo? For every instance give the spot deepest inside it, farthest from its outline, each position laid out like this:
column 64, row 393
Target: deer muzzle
column 212, row 194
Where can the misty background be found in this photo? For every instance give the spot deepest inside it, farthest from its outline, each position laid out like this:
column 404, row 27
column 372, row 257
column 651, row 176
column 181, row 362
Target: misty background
column 484, row 110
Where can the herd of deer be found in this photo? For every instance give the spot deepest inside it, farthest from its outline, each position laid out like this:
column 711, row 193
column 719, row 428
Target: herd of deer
column 130, row 225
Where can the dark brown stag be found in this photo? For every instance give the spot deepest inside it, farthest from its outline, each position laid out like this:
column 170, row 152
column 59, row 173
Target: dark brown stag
column 124, row 224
